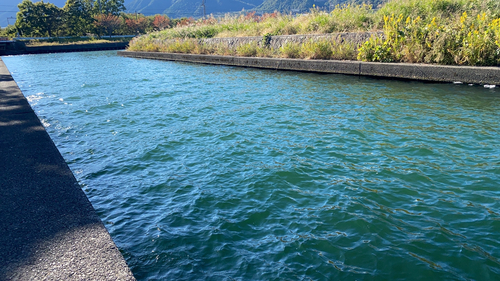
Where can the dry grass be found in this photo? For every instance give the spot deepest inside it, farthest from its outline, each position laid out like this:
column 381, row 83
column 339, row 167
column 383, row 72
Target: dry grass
column 73, row 41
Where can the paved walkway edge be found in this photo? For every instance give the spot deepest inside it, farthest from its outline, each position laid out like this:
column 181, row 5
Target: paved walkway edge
column 423, row 72
column 48, row 228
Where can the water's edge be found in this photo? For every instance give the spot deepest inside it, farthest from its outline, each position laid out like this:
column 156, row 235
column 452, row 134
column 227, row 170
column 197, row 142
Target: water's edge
column 421, row 72
column 48, row 226
column 19, row 48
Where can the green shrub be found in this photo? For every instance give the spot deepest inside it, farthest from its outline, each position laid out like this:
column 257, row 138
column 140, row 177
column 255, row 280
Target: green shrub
column 266, row 39
column 375, row 49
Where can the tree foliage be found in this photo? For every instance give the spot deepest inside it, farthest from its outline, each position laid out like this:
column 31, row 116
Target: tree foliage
column 161, row 22
column 107, row 7
column 137, row 25
column 8, row 32
column 38, row 19
column 77, row 17
column 109, row 22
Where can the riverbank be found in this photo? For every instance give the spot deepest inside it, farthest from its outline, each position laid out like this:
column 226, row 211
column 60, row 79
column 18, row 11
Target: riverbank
column 422, row 72
column 19, row 48
column 444, row 32
column 48, row 228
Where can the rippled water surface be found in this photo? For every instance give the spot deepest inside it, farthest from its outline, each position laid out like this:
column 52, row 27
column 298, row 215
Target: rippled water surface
column 206, row 172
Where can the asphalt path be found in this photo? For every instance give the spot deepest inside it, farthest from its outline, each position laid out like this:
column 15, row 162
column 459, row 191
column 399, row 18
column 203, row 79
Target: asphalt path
column 48, row 228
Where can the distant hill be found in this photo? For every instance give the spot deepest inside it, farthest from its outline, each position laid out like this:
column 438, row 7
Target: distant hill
column 192, row 8
column 270, row 6
column 189, row 8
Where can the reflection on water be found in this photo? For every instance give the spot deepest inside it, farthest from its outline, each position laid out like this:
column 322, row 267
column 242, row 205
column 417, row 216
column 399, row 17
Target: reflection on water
column 215, row 173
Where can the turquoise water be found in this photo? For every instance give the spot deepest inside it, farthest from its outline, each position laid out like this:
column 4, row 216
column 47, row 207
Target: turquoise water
column 206, row 172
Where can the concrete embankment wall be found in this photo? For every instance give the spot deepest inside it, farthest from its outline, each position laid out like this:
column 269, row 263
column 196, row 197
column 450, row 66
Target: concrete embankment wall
column 279, row 41
column 48, row 228
column 19, row 48
column 76, row 48
column 437, row 73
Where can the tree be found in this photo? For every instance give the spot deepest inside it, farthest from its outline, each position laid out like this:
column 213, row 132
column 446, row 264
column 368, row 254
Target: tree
column 77, row 17
column 38, row 19
column 25, row 18
column 106, row 7
column 9, row 31
column 51, row 17
column 109, row 22
column 138, row 25
column 161, row 22
column 102, row 10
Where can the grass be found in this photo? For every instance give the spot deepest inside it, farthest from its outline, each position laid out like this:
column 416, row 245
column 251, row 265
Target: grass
column 465, row 40
column 314, row 49
column 460, row 32
column 342, row 18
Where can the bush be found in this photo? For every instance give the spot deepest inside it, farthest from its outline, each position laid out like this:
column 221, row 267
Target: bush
column 375, row 49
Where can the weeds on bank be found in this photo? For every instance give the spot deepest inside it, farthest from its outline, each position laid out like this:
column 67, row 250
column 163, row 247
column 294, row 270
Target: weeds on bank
column 74, row 41
column 313, row 49
column 343, row 18
column 468, row 40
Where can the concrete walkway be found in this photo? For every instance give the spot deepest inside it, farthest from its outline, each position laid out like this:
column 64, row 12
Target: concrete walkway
column 48, row 228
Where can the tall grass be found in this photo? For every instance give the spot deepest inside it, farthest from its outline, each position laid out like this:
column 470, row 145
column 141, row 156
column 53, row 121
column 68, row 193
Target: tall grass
column 455, row 32
column 325, row 49
column 342, row 18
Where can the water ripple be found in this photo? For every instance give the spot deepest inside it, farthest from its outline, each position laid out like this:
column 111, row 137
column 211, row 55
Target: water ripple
column 219, row 173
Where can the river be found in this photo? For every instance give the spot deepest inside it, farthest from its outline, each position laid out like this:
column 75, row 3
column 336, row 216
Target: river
column 204, row 172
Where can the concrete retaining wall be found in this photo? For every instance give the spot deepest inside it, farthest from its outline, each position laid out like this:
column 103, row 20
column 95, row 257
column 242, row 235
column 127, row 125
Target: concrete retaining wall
column 19, row 48
column 437, row 73
column 76, row 48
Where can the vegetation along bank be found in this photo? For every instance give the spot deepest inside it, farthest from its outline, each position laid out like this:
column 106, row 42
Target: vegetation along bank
column 448, row 32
